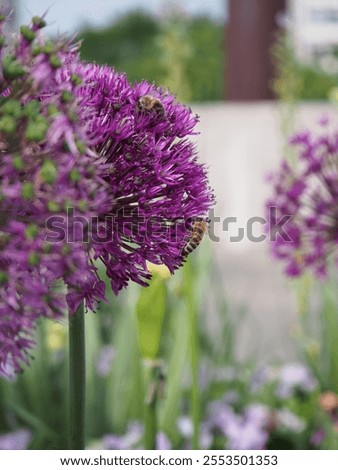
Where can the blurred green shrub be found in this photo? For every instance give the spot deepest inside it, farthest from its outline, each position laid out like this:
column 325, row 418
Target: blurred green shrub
column 298, row 80
column 186, row 55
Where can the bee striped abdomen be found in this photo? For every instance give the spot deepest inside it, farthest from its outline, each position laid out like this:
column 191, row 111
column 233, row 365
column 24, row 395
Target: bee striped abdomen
column 199, row 229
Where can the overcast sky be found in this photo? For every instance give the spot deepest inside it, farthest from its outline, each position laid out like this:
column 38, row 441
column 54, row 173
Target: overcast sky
column 69, row 15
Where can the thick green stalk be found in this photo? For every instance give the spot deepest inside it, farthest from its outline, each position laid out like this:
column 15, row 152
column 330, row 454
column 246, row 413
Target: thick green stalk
column 195, row 390
column 77, row 379
column 150, row 408
column 192, row 311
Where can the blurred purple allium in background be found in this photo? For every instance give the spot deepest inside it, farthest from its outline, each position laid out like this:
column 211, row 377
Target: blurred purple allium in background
column 308, row 192
column 17, row 440
column 79, row 150
column 294, row 377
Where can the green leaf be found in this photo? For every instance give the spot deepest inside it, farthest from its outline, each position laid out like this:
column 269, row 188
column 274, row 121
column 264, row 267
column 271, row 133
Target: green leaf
column 150, row 311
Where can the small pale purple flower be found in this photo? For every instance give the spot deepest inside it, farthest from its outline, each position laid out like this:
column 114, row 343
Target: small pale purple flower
column 105, row 360
column 162, row 441
column 286, row 419
column 16, row 440
column 113, row 442
column 185, row 427
column 318, row 437
column 242, row 431
column 156, row 186
column 245, row 435
column 130, row 440
column 46, row 168
column 80, row 153
column 293, row 377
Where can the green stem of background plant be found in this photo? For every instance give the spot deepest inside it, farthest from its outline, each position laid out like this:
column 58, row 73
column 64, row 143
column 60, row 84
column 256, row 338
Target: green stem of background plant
column 150, row 408
column 77, row 379
column 195, row 392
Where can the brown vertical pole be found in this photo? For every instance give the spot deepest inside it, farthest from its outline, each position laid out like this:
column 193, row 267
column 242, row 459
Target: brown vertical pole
column 251, row 31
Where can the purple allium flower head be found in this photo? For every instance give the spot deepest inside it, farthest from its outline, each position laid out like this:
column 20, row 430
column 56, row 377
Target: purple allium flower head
column 16, row 440
column 157, row 187
column 46, row 168
column 308, row 193
column 97, row 173
column 294, row 377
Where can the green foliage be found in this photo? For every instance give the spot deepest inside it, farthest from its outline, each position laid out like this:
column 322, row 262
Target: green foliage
column 318, row 332
column 190, row 341
column 298, row 80
column 150, row 311
column 206, row 64
column 184, row 55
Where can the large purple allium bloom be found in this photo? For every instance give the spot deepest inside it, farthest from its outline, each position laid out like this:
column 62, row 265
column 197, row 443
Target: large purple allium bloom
column 157, row 187
column 307, row 192
column 87, row 163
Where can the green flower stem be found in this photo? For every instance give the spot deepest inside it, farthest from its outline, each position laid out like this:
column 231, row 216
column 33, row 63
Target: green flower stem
column 77, row 379
column 195, row 391
column 192, row 313
column 150, row 408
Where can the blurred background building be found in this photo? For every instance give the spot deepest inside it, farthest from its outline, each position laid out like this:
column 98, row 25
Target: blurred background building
column 314, row 26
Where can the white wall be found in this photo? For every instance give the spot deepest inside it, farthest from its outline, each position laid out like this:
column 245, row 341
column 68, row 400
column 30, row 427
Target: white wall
column 241, row 143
